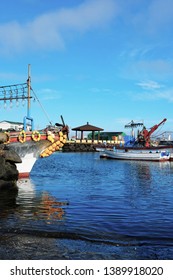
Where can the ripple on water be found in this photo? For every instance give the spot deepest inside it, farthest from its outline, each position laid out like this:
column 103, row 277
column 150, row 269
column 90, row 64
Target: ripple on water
column 78, row 196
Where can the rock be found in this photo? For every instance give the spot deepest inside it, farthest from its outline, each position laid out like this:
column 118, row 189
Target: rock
column 9, row 154
column 8, row 171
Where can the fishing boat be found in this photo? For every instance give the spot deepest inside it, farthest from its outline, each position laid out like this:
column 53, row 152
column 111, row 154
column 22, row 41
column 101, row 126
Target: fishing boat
column 141, row 155
column 141, row 147
column 28, row 143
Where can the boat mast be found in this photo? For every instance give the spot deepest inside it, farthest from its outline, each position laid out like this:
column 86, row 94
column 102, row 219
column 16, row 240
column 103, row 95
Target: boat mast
column 133, row 125
column 29, row 86
column 28, row 117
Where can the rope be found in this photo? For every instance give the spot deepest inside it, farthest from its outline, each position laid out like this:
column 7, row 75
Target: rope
column 41, row 107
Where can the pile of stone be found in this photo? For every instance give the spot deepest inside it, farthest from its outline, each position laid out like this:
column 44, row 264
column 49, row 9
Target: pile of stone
column 78, row 147
column 8, row 171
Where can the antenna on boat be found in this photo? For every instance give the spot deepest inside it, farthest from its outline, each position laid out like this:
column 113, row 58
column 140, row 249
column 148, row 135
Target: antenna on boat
column 133, row 125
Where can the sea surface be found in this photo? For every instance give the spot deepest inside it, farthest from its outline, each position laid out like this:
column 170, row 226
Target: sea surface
column 76, row 206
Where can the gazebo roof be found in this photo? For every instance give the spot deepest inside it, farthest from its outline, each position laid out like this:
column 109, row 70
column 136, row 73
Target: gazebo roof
column 87, row 127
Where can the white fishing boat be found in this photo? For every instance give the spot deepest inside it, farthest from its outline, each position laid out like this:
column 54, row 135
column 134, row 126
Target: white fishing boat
column 141, row 155
column 142, row 147
column 30, row 144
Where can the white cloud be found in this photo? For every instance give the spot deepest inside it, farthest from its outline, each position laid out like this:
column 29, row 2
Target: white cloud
column 12, row 77
column 158, row 69
column 160, row 15
column 48, row 30
column 166, row 95
column 48, row 94
column 150, row 85
column 148, row 17
column 101, row 90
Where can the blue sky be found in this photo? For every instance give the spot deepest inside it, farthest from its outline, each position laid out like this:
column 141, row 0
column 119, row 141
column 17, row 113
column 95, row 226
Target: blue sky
column 105, row 62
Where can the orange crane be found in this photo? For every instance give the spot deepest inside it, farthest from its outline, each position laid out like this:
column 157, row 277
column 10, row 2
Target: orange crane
column 144, row 135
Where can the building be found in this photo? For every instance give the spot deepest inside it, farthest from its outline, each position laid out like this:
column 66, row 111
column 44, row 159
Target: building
column 88, row 127
column 108, row 136
column 10, row 125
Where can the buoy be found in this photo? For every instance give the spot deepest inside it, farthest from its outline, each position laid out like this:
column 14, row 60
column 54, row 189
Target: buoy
column 22, row 136
column 36, row 136
column 8, row 137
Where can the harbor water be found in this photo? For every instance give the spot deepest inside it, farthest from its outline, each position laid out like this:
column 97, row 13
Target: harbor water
column 76, row 206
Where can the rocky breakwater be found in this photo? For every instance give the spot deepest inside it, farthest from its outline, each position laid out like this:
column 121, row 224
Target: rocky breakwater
column 8, row 171
column 78, row 147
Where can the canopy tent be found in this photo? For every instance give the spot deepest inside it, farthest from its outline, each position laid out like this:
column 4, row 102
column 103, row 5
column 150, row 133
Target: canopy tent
column 87, row 127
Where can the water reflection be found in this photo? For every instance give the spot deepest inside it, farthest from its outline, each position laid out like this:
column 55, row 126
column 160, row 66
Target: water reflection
column 8, row 200
column 49, row 208
column 27, row 204
column 39, row 205
column 143, row 182
column 143, row 173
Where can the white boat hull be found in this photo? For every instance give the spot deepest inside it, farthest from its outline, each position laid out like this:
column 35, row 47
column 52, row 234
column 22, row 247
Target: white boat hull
column 141, row 155
column 29, row 153
column 26, row 166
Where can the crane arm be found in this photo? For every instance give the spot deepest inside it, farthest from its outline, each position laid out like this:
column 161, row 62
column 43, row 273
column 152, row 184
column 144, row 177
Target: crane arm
column 155, row 127
column 144, row 135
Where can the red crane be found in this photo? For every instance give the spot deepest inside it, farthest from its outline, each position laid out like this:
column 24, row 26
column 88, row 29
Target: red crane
column 146, row 134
